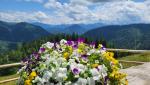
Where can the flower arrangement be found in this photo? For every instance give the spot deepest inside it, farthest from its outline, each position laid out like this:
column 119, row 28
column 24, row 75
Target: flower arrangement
column 71, row 63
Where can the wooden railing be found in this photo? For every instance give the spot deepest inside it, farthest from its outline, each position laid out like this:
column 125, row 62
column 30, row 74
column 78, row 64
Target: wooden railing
column 108, row 49
column 10, row 65
column 130, row 51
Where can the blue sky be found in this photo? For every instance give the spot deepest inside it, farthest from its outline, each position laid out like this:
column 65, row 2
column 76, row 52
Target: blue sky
column 76, row 11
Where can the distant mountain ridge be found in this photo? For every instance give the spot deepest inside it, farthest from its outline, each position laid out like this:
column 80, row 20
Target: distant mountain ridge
column 134, row 36
column 69, row 28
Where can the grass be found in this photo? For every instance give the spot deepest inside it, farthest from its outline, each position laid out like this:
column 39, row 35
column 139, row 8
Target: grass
column 8, row 77
column 136, row 57
column 127, row 65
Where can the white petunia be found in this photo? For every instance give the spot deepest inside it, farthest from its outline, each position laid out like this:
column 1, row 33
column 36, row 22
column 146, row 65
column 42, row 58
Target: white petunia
column 55, row 54
column 61, row 74
column 75, row 54
column 90, row 81
column 68, row 83
column 99, row 72
column 91, row 51
column 22, row 69
column 57, row 46
column 97, row 51
column 61, row 60
column 102, row 70
column 47, row 75
column 63, row 70
column 39, row 80
column 42, row 67
column 71, row 61
column 49, row 45
column 45, row 56
column 95, row 74
column 81, row 81
column 63, row 42
column 81, row 67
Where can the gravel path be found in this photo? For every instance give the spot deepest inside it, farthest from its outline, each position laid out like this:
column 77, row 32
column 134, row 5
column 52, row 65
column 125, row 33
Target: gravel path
column 138, row 75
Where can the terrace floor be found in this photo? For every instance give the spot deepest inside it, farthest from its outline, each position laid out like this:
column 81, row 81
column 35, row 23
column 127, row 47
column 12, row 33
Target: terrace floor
column 138, row 75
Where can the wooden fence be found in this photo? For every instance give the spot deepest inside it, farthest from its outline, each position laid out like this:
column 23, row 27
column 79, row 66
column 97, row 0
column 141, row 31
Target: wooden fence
column 108, row 49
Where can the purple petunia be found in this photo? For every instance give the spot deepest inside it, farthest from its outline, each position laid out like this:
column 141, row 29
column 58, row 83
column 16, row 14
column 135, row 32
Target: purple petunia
column 92, row 44
column 25, row 59
column 75, row 46
column 106, row 80
column 42, row 50
column 75, row 71
column 84, row 57
column 80, row 40
column 36, row 55
column 69, row 42
column 103, row 48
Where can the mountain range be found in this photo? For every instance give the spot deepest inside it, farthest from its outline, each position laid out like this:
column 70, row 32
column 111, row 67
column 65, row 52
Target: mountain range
column 134, row 36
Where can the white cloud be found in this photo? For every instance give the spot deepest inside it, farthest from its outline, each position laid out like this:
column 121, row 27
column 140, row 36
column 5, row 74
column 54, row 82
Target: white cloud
column 39, row 16
column 76, row 11
column 53, row 4
column 122, row 12
column 80, row 11
column 17, row 16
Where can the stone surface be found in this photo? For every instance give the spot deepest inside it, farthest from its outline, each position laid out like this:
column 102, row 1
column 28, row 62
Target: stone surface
column 138, row 75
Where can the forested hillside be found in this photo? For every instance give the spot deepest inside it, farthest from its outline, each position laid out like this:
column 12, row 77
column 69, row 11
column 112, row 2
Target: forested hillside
column 134, row 36
column 13, row 34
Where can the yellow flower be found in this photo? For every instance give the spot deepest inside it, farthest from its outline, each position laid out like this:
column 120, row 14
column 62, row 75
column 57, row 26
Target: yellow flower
column 111, row 54
column 126, row 82
column 106, row 54
column 81, row 46
column 32, row 75
column 65, row 78
column 115, row 68
column 113, row 74
column 117, row 75
column 109, row 57
column 95, row 65
column 70, row 49
column 114, row 61
column 79, row 51
column 27, row 82
column 66, row 55
column 100, row 46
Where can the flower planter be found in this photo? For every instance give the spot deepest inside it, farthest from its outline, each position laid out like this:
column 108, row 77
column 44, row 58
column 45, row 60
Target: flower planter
column 71, row 63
